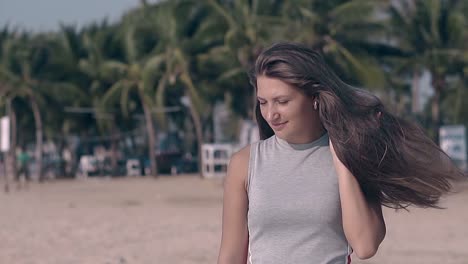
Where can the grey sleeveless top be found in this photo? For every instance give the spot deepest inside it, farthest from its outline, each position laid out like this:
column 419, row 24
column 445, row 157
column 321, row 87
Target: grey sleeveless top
column 294, row 213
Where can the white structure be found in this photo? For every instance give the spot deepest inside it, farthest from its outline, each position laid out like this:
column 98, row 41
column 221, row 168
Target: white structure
column 133, row 167
column 248, row 134
column 4, row 133
column 221, row 120
column 86, row 166
column 215, row 159
column 453, row 142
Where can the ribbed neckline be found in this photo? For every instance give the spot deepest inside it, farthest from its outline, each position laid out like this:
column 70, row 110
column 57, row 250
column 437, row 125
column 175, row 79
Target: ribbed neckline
column 322, row 141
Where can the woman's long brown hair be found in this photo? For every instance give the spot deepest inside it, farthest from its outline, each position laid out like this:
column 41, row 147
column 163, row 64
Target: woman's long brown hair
column 395, row 163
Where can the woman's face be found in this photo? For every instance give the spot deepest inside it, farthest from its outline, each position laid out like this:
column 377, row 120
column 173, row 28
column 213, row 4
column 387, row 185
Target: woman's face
column 289, row 112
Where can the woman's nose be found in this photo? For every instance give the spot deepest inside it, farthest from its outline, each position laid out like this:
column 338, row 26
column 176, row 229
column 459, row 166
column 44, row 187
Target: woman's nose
column 272, row 114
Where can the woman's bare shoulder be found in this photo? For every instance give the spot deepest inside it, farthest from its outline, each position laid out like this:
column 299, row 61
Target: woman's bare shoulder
column 238, row 166
column 242, row 155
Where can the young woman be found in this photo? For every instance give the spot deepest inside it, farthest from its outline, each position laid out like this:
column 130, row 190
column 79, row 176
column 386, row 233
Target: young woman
column 311, row 190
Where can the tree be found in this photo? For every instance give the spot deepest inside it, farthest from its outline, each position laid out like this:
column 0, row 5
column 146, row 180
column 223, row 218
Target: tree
column 134, row 73
column 27, row 72
column 184, row 32
column 10, row 156
column 102, row 46
column 432, row 34
column 348, row 32
column 20, row 62
column 249, row 27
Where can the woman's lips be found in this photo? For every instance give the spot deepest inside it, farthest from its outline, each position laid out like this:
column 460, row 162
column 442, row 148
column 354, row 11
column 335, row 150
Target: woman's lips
column 278, row 126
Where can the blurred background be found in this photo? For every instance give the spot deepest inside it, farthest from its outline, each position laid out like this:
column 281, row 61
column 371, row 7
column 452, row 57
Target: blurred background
column 107, row 89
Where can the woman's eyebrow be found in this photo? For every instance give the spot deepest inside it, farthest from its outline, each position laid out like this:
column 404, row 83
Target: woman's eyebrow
column 274, row 98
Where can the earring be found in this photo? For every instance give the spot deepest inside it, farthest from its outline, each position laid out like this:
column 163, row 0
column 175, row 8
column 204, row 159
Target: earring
column 315, row 105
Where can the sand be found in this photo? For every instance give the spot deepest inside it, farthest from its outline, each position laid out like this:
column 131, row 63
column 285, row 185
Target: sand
column 177, row 219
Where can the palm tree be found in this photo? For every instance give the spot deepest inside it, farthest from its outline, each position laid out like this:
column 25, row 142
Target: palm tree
column 67, row 89
column 19, row 70
column 348, row 32
column 9, row 157
column 186, row 32
column 27, row 72
column 432, row 34
column 249, row 26
column 135, row 75
column 100, row 43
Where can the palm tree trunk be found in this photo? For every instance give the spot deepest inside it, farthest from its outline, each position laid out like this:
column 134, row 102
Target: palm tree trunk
column 151, row 133
column 415, row 93
column 458, row 104
column 10, row 157
column 196, row 119
column 438, row 84
column 14, row 140
column 60, row 148
column 198, row 132
column 247, row 61
column 39, row 140
column 435, row 115
column 400, row 105
column 113, row 154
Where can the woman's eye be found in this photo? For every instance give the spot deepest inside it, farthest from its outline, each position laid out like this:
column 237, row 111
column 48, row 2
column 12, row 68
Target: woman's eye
column 283, row 102
column 261, row 103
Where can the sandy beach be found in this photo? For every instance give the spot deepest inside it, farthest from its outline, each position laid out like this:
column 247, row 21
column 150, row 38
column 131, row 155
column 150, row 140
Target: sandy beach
column 177, row 219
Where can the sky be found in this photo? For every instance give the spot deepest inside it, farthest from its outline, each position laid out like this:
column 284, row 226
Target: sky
column 46, row 15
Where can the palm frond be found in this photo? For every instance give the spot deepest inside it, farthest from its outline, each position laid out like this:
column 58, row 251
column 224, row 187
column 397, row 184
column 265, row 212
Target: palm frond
column 223, row 12
column 115, row 92
column 153, row 67
column 231, row 73
column 370, row 75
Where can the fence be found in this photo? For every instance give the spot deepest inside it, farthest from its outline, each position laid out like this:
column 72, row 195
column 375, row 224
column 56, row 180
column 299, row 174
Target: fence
column 215, row 159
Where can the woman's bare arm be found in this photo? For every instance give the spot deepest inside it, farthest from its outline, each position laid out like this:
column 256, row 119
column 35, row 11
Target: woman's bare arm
column 363, row 223
column 234, row 241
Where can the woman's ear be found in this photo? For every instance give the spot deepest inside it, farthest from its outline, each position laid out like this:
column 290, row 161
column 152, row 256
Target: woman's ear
column 315, row 101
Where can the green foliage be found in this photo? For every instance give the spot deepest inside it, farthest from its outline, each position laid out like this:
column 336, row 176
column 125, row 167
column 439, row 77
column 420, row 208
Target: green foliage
column 159, row 52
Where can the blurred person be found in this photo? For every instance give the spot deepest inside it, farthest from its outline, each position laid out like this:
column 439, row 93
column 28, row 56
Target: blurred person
column 330, row 156
column 23, row 159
